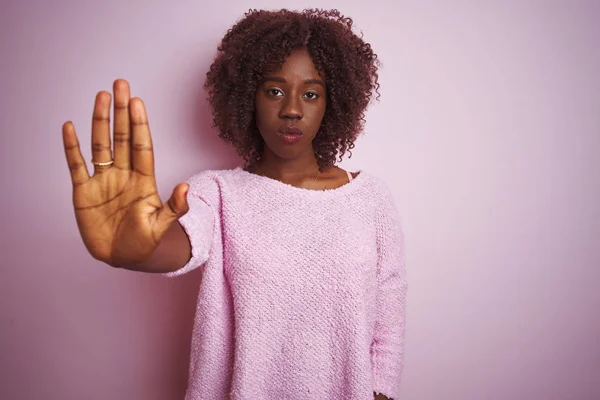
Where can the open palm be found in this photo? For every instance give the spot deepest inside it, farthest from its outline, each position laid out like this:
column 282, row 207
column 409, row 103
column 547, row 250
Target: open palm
column 119, row 213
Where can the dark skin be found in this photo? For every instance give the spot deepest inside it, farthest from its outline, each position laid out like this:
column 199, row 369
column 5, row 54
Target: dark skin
column 137, row 230
column 294, row 96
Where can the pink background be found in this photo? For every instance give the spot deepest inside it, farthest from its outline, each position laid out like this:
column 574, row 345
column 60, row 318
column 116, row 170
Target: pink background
column 488, row 132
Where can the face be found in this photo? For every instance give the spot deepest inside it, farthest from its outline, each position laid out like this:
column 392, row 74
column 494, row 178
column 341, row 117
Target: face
column 290, row 105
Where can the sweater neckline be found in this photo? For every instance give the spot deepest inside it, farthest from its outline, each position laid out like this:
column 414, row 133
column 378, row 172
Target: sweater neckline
column 347, row 187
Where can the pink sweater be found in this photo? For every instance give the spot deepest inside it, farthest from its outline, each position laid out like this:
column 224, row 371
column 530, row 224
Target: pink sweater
column 303, row 291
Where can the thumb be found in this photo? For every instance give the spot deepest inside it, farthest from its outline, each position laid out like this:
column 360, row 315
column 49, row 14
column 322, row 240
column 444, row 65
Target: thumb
column 174, row 208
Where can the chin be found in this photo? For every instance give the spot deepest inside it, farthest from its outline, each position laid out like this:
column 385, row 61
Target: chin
column 288, row 151
column 287, row 154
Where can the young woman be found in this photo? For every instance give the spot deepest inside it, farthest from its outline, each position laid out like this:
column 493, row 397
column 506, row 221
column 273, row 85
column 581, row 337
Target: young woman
column 304, row 284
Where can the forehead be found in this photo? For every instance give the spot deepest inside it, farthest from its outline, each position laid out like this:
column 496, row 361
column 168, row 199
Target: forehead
column 298, row 64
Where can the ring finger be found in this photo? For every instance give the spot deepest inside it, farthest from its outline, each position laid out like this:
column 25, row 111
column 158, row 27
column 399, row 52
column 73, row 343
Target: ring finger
column 101, row 150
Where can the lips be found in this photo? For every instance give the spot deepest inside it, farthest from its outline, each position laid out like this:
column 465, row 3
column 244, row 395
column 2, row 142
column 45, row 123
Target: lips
column 290, row 134
column 291, row 130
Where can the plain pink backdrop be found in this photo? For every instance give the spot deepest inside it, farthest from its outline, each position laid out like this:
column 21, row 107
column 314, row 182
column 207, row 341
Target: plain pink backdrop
column 488, row 132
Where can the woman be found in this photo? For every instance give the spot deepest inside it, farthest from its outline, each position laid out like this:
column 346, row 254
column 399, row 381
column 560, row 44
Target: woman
column 303, row 287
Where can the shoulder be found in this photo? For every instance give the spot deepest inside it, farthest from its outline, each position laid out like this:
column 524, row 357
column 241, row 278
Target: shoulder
column 208, row 184
column 380, row 193
column 213, row 177
column 376, row 185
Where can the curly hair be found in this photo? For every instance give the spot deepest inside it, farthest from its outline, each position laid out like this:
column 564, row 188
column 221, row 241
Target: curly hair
column 259, row 43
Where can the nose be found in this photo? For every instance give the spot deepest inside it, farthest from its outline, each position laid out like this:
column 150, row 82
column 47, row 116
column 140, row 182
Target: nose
column 291, row 108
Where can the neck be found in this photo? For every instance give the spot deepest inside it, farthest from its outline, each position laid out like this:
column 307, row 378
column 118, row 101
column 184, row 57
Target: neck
column 287, row 169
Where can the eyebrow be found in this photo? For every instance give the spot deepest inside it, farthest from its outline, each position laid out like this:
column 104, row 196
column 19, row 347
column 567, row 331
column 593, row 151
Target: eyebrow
column 282, row 80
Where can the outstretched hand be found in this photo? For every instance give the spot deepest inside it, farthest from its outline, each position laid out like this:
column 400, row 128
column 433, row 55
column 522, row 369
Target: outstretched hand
column 120, row 215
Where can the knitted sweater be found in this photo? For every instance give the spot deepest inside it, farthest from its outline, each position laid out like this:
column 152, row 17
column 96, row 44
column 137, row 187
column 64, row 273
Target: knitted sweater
column 302, row 293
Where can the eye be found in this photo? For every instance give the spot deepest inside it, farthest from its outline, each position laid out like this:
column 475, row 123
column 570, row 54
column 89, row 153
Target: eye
column 311, row 95
column 274, row 92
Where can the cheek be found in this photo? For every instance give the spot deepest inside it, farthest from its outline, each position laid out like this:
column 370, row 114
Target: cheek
column 264, row 113
column 319, row 113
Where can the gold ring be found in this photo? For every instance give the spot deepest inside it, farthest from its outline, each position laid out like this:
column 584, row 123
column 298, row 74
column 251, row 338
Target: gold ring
column 103, row 164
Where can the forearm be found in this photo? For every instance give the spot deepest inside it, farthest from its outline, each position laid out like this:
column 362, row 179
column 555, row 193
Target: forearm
column 171, row 254
column 380, row 397
column 387, row 350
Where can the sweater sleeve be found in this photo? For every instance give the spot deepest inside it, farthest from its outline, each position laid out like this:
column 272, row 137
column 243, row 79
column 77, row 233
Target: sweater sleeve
column 199, row 222
column 387, row 347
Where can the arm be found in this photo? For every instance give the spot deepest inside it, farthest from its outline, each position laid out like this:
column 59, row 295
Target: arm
column 121, row 218
column 387, row 348
column 171, row 254
column 187, row 242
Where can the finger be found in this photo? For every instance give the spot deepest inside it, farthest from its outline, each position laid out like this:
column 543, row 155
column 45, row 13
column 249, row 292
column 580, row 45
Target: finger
column 174, row 208
column 75, row 161
column 121, row 129
column 143, row 155
column 101, row 152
